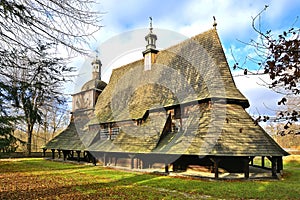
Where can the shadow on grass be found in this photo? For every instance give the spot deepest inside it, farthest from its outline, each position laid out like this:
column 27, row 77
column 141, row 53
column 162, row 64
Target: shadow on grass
column 125, row 188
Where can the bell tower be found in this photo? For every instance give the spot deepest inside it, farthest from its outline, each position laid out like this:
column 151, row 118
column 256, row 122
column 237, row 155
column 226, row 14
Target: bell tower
column 151, row 51
column 96, row 64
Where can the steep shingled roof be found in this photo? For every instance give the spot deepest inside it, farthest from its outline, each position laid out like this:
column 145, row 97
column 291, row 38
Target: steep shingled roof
column 195, row 69
column 138, row 139
column 75, row 136
column 216, row 130
column 66, row 140
column 231, row 134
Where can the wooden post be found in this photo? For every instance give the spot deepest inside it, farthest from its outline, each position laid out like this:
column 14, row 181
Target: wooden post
column 53, row 153
column 263, row 161
column 132, row 163
column 104, row 159
column 166, row 168
column 44, row 152
column 246, row 168
column 94, row 160
column 279, row 164
column 78, row 155
column 131, row 156
column 273, row 161
column 216, row 166
column 116, row 160
column 64, row 154
column 59, row 151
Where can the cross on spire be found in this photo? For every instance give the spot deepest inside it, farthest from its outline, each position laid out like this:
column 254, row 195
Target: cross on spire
column 215, row 22
column 151, row 28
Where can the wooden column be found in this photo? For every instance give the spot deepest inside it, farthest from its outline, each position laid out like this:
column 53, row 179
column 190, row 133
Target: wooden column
column 53, row 153
column 132, row 163
column 273, row 161
column 44, row 152
column 59, row 151
column 279, row 164
column 94, row 159
column 246, row 167
column 78, row 155
column 166, row 168
column 263, row 161
column 64, row 154
column 116, row 160
column 216, row 162
column 104, row 159
column 131, row 156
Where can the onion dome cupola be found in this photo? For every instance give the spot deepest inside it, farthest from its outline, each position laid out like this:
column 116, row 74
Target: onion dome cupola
column 151, row 51
column 96, row 82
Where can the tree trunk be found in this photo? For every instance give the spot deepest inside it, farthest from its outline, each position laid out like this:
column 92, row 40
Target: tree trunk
column 29, row 139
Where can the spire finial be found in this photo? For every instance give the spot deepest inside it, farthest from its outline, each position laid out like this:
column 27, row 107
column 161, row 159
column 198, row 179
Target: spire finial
column 215, row 22
column 150, row 24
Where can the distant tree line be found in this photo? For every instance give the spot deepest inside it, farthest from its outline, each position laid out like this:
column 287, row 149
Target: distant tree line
column 33, row 36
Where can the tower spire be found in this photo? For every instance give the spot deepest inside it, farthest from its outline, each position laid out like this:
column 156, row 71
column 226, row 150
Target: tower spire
column 96, row 64
column 151, row 37
column 215, row 22
column 151, row 28
column 151, row 51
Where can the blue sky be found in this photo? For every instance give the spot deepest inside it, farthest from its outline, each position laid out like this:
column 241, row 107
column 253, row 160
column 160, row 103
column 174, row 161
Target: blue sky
column 191, row 17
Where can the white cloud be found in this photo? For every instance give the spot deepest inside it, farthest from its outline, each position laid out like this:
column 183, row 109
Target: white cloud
column 263, row 101
column 193, row 17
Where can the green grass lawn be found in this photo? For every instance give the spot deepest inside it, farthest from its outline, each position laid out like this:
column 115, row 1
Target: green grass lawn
column 35, row 178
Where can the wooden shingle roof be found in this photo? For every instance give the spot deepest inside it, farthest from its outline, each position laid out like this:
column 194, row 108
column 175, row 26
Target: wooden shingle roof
column 138, row 139
column 195, row 73
column 233, row 134
column 215, row 130
column 66, row 140
column 75, row 136
column 195, row 69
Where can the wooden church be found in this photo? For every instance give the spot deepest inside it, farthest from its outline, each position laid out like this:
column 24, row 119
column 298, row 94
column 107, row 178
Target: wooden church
column 173, row 108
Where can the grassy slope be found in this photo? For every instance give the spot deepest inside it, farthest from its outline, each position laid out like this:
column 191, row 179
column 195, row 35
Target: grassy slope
column 41, row 179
